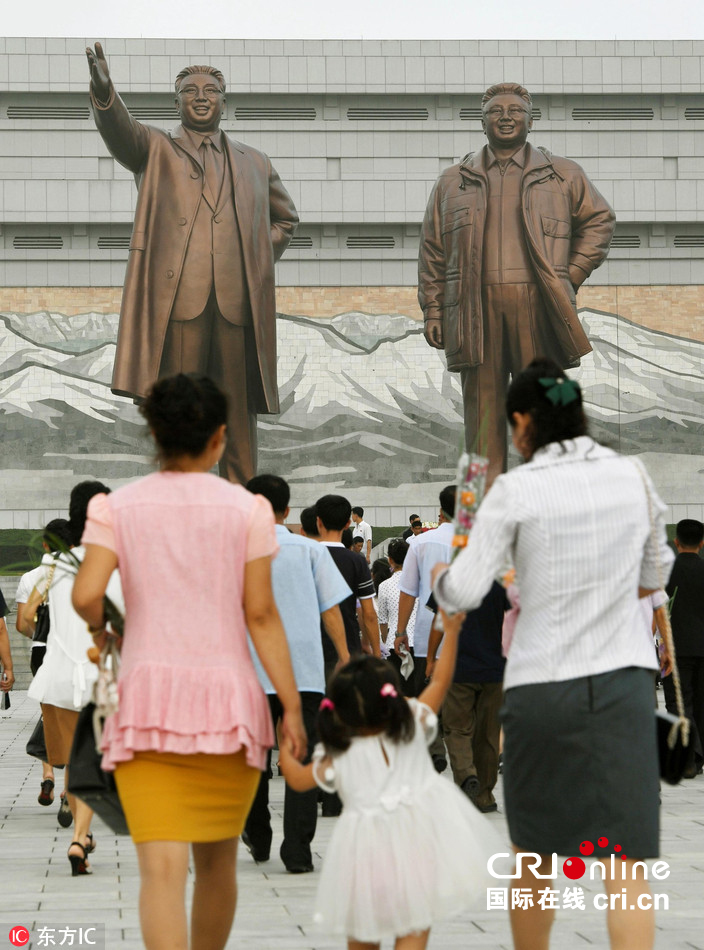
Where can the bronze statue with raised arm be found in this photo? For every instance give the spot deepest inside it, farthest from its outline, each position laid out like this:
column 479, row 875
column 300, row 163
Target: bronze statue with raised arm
column 212, row 218
column 510, row 234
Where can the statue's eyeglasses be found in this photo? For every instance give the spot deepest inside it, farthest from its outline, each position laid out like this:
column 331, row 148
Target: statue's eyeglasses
column 515, row 112
column 192, row 92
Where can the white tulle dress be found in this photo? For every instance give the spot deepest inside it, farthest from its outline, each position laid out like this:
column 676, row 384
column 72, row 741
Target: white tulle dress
column 409, row 847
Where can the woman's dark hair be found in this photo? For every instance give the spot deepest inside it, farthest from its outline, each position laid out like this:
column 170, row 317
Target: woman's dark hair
column 552, row 422
column 359, row 704
column 57, row 534
column 183, row 411
column 81, row 494
column 380, row 572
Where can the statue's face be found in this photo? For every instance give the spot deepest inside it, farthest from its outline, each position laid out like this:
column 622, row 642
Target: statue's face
column 507, row 121
column 200, row 102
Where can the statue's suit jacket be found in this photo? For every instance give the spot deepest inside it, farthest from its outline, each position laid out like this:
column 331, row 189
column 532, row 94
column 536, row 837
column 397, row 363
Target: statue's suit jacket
column 169, row 175
column 567, row 228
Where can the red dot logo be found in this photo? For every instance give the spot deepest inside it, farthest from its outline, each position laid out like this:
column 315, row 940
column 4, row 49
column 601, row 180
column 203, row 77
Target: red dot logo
column 602, row 842
column 19, row 936
column 617, row 847
column 574, row 868
column 586, row 848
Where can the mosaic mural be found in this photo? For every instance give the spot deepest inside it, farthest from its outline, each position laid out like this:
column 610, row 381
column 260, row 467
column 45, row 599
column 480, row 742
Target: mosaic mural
column 365, row 404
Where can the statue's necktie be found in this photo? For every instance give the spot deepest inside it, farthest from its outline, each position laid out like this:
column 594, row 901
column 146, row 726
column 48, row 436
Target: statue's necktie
column 211, row 172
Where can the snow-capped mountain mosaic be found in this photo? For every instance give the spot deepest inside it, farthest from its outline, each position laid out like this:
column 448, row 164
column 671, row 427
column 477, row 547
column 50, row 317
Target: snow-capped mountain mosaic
column 364, row 402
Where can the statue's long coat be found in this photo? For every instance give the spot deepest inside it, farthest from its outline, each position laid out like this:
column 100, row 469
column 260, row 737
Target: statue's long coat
column 169, row 176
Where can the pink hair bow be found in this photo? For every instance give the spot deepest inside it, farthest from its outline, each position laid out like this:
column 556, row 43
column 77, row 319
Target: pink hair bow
column 327, row 704
column 388, row 689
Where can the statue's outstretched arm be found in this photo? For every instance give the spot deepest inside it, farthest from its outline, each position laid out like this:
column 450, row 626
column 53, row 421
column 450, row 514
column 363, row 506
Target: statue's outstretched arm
column 127, row 140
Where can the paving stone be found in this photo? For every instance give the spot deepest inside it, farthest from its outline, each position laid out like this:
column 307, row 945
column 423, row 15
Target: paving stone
column 274, row 911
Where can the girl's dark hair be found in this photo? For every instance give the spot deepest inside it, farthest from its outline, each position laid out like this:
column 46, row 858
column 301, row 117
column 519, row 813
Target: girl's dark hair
column 183, row 411
column 359, row 704
column 380, row 572
column 551, row 423
column 81, row 494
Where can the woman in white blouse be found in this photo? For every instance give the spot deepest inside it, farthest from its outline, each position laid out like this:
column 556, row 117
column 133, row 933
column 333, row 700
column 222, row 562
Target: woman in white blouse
column 580, row 754
column 64, row 682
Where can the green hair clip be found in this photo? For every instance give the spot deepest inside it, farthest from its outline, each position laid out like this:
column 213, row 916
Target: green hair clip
column 560, row 392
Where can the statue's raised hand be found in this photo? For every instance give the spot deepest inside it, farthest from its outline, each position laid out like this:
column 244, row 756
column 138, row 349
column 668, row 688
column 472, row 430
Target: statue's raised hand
column 99, row 72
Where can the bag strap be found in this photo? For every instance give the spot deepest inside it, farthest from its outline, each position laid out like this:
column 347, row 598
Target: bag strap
column 49, row 579
column 669, row 639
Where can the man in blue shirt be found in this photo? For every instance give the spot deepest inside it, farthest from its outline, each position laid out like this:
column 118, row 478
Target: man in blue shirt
column 307, row 588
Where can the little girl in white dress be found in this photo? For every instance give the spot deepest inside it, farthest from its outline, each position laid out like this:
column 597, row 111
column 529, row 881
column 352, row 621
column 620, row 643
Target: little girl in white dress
column 409, row 847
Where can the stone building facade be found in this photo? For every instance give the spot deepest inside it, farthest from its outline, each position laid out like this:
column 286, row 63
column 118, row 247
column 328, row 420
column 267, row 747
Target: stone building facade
column 359, row 131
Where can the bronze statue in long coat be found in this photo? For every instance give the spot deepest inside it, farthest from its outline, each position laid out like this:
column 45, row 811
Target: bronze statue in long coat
column 212, row 219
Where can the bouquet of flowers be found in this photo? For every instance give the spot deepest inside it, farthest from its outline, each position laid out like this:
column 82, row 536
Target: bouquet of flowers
column 471, row 483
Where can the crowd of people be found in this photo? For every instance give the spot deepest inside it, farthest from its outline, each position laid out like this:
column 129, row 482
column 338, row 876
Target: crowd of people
column 242, row 635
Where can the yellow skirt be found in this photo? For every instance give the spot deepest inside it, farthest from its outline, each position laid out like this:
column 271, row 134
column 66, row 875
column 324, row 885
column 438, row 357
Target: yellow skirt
column 170, row 797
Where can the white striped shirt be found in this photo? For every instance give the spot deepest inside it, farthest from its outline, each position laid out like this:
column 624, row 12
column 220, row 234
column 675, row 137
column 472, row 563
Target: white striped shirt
column 575, row 524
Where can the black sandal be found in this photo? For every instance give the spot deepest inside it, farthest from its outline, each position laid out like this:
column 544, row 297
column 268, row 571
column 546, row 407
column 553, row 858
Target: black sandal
column 46, row 796
column 64, row 817
column 90, row 847
column 79, row 865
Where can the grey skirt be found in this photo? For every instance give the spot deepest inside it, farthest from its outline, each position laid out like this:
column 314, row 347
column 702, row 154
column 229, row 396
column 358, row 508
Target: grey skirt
column 581, row 764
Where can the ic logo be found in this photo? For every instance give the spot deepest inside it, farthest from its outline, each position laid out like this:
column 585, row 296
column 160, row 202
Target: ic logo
column 19, row 936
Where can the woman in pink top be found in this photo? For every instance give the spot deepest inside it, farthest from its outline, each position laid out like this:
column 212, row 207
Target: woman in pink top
column 191, row 734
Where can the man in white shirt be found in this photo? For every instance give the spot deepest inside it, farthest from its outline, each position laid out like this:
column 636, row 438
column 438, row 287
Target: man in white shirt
column 361, row 527
column 424, row 552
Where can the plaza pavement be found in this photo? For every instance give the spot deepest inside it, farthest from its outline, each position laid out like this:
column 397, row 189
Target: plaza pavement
column 37, row 890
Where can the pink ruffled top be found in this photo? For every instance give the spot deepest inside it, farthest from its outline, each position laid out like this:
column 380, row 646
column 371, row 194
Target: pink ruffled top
column 187, row 682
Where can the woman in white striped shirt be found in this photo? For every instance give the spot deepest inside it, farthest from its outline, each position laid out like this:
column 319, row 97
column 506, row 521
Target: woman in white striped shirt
column 580, row 754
